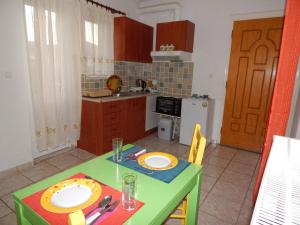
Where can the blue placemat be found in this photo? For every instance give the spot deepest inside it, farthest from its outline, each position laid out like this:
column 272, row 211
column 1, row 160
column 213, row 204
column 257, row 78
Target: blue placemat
column 163, row 175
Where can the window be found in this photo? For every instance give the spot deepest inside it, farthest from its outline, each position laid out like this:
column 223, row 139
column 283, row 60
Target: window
column 29, row 19
column 52, row 16
column 91, row 32
column 49, row 28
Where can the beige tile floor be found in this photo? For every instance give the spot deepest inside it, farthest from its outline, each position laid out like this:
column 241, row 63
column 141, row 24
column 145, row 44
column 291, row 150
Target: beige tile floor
column 228, row 180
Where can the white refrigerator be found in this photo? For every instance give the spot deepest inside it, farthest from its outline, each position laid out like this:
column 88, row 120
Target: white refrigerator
column 196, row 111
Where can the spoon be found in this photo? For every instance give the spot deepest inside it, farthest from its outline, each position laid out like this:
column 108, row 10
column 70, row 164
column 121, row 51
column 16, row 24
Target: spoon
column 102, row 204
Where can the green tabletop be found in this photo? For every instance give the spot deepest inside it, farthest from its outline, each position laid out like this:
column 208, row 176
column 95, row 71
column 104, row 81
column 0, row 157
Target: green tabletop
column 159, row 198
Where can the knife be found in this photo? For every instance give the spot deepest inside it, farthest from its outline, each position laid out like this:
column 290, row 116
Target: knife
column 135, row 155
column 96, row 216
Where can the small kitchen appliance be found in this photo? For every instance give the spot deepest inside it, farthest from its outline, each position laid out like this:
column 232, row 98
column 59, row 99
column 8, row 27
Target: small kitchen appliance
column 141, row 83
column 168, row 105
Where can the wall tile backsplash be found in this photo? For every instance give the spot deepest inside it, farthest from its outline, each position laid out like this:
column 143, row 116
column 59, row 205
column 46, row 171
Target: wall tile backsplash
column 174, row 78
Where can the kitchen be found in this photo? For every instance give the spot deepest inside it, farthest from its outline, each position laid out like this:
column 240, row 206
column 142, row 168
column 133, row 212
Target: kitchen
column 208, row 72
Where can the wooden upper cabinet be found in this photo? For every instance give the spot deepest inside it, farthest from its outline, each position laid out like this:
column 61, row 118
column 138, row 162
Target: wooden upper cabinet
column 178, row 33
column 132, row 40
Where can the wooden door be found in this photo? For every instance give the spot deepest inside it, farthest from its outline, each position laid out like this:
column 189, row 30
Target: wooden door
column 253, row 61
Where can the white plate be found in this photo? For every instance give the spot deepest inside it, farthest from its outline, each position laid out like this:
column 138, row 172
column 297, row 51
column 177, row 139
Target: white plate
column 157, row 161
column 71, row 196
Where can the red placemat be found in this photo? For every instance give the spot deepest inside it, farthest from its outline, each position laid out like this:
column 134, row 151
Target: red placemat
column 118, row 216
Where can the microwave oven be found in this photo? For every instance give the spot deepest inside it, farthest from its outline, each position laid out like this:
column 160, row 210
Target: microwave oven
column 168, row 105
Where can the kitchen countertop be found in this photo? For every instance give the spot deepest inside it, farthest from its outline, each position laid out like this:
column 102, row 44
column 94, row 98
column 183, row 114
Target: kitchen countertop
column 117, row 98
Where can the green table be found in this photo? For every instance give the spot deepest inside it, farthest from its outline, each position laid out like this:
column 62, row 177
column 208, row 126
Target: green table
column 160, row 198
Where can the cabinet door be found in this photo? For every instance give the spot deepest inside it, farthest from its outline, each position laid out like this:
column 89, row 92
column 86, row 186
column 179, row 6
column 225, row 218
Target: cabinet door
column 89, row 134
column 132, row 40
column 131, row 120
column 136, row 118
column 178, row 33
column 147, row 43
column 119, row 38
column 140, row 115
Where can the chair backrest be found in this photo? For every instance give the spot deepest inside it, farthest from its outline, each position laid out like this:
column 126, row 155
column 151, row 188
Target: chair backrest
column 197, row 146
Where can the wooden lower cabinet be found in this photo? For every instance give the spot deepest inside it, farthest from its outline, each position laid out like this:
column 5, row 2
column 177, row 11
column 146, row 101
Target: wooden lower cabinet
column 101, row 122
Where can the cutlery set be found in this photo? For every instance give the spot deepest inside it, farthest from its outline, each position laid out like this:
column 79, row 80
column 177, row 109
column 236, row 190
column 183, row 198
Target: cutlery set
column 103, row 207
column 134, row 156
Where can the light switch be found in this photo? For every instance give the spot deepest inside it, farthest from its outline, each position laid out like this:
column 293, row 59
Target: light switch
column 6, row 74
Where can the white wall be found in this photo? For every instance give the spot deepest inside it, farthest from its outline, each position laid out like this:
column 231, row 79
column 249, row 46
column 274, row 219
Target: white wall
column 213, row 24
column 15, row 125
column 127, row 6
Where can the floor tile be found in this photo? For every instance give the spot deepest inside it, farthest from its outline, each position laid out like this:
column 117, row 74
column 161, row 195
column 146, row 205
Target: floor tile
column 216, row 161
column 157, row 146
column 8, row 173
column 146, row 140
column 247, row 158
column 9, row 219
column 229, row 191
column 8, row 200
column 208, row 150
column 172, row 222
column 82, row 154
column 208, row 182
column 224, row 152
column 206, row 219
column 249, row 195
column 241, row 168
column 180, row 151
column 236, row 178
column 221, row 208
column 4, row 210
column 203, row 195
column 227, row 148
column 39, row 171
column 13, row 183
column 245, row 215
column 212, row 171
column 64, row 161
column 253, row 182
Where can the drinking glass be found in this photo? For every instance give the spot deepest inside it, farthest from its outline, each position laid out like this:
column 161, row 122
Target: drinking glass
column 129, row 191
column 117, row 147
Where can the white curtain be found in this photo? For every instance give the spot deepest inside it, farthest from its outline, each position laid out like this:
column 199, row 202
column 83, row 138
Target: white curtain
column 97, row 47
column 53, row 37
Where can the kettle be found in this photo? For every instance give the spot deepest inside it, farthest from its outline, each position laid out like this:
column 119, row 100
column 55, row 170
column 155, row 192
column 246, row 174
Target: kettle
column 141, row 83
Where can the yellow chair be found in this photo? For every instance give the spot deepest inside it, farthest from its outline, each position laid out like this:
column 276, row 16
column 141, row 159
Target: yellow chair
column 195, row 156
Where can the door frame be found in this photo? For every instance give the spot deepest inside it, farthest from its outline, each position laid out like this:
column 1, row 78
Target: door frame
column 235, row 17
